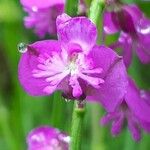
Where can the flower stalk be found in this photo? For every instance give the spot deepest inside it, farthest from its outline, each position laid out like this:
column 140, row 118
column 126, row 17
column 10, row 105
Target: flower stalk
column 77, row 125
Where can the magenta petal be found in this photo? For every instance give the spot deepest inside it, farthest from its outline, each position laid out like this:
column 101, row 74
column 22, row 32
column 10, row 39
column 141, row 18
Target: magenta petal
column 145, row 95
column 128, row 18
column 111, row 92
column 145, row 125
column 134, row 12
column 142, row 52
column 117, row 125
column 41, row 3
column 143, row 46
column 103, row 57
column 138, row 106
column 78, row 30
column 29, row 61
column 61, row 19
column 134, row 129
column 109, row 117
column 111, row 25
column 126, row 44
column 143, row 30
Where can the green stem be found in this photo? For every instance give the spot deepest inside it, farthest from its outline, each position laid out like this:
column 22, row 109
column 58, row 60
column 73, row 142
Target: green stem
column 96, row 14
column 96, row 10
column 77, row 126
column 71, row 7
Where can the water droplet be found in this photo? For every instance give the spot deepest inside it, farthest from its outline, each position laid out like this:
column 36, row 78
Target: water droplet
column 34, row 9
column 67, row 100
column 22, row 47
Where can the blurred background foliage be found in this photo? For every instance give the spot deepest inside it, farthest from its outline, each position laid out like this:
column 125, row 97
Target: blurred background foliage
column 20, row 113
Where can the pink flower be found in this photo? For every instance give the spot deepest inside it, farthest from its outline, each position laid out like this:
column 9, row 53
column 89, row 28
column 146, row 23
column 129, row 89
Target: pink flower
column 134, row 108
column 42, row 15
column 74, row 64
column 47, row 138
column 134, row 30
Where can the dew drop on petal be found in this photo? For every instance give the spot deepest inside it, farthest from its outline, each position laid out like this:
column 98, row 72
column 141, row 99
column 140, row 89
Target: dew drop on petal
column 22, row 47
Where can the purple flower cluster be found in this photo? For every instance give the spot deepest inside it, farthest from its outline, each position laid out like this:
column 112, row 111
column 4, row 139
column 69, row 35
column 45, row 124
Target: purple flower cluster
column 79, row 68
column 47, row 138
column 42, row 15
column 134, row 30
column 134, row 108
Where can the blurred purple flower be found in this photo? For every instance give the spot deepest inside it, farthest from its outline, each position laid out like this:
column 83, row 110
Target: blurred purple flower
column 47, row 138
column 134, row 108
column 74, row 64
column 135, row 31
column 42, row 15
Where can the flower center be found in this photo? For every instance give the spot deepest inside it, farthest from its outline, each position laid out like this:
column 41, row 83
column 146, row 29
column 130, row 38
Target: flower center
column 72, row 67
column 55, row 67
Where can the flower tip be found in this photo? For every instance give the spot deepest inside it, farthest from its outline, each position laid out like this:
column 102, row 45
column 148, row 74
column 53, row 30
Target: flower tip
column 136, row 137
column 115, row 131
column 62, row 18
